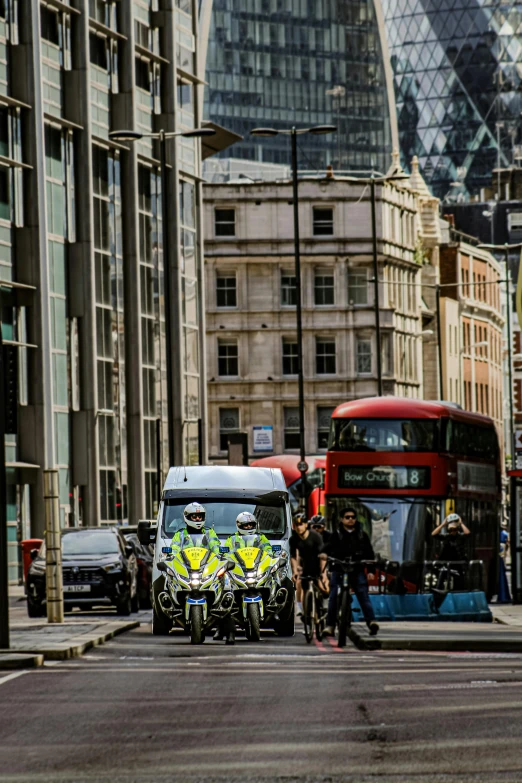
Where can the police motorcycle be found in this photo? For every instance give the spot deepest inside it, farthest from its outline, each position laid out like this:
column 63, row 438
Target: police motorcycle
column 195, row 596
column 255, row 577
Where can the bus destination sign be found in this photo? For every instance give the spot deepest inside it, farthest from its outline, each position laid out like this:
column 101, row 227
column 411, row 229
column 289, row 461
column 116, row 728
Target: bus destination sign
column 383, row 477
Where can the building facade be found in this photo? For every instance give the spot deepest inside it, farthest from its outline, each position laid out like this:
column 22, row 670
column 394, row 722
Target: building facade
column 279, row 63
column 472, row 334
column 458, row 88
column 251, row 297
column 82, row 263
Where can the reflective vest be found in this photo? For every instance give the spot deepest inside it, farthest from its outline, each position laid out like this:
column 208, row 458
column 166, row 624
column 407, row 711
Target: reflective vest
column 207, row 538
column 238, row 542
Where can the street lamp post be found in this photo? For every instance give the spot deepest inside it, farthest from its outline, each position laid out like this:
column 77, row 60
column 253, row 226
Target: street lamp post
column 162, row 136
column 294, row 133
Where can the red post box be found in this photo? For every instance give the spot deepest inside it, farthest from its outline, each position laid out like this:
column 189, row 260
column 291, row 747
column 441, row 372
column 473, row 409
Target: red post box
column 27, row 547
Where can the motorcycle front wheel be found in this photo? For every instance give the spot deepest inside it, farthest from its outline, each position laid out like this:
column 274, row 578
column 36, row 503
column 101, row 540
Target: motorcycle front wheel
column 253, row 623
column 197, row 635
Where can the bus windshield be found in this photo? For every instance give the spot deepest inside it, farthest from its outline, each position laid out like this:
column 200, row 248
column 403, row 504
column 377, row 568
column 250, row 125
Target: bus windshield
column 408, row 435
column 399, row 529
column 222, row 513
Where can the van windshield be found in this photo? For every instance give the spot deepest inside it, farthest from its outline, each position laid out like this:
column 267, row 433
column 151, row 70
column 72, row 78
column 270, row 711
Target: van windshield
column 222, row 513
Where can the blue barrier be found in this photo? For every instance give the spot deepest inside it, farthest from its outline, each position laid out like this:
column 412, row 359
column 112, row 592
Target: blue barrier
column 455, row 607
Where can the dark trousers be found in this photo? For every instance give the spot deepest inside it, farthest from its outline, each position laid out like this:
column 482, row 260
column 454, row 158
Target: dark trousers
column 359, row 585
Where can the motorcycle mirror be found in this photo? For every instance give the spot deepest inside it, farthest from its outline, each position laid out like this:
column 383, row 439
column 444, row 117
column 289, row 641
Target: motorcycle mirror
column 162, row 566
column 282, row 561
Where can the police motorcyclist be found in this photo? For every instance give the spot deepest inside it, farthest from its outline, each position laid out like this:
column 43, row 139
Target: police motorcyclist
column 350, row 541
column 194, row 532
column 247, row 535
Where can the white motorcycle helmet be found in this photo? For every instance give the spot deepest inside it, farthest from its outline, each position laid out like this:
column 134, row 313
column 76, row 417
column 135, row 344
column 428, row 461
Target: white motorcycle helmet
column 246, row 523
column 194, row 516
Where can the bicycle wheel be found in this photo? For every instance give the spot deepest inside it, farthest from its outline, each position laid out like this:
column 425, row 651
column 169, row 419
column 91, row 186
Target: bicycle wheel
column 345, row 616
column 319, row 618
column 308, row 614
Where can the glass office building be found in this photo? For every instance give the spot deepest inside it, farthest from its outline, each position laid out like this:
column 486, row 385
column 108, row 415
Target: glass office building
column 278, row 63
column 458, row 86
column 82, row 254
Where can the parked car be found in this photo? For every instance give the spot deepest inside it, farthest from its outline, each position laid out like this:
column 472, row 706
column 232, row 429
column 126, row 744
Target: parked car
column 99, row 569
column 145, row 561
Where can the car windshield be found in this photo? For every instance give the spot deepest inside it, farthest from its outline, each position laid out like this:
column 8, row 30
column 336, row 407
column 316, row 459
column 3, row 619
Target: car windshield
column 90, row 543
column 410, row 435
column 221, row 515
column 399, row 529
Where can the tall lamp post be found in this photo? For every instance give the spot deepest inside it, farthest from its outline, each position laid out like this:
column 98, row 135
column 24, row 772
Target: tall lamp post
column 294, row 132
column 162, row 136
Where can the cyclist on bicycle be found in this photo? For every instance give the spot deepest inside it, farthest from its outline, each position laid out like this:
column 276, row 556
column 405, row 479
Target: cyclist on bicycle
column 350, row 541
column 453, row 544
column 305, row 548
column 318, row 524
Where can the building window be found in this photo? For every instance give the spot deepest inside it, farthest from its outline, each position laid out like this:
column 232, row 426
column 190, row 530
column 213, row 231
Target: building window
column 324, row 288
column 364, row 357
column 357, row 287
column 323, row 221
column 324, row 416
column 225, row 222
column 288, row 289
column 104, row 80
column 325, row 356
column 291, row 432
column 226, row 290
column 228, row 423
column 228, row 358
column 290, row 357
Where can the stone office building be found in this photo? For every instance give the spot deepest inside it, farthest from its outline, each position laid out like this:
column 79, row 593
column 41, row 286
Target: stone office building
column 251, row 296
column 81, row 261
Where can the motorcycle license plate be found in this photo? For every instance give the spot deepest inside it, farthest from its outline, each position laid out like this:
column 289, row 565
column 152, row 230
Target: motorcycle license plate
column 77, row 589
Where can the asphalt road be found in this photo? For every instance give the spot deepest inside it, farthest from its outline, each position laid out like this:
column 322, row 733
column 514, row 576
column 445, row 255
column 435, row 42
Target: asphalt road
column 143, row 708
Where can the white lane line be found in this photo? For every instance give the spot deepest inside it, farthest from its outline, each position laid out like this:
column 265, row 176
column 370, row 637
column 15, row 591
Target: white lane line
column 12, row 676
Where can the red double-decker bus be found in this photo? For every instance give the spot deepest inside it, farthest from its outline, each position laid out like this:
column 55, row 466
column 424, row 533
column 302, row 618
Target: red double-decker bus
column 404, row 464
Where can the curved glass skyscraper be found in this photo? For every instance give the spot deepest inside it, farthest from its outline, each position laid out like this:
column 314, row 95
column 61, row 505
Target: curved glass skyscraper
column 458, row 85
column 304, row 62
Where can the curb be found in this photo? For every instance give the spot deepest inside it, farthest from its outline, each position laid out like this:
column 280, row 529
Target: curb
column 20, row 661
column 453, row 645
column 75, row 646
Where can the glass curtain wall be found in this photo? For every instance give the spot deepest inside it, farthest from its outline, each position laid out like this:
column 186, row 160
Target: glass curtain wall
column 458, row 88
column 59, row 172
column 273, row 62
column 152, row 328
column 112, row 445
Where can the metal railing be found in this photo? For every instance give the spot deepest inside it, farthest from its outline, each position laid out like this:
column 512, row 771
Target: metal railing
column 394, row 578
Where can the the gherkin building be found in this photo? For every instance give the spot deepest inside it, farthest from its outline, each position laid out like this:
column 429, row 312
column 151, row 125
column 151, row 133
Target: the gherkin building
column 458, row 85
column 280, row 63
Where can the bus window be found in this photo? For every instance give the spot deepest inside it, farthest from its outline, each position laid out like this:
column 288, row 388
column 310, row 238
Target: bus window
column 409, row 435
column 464, row 439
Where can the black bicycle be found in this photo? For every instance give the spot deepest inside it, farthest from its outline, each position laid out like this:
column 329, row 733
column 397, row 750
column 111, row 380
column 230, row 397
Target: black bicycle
column 344, row 598
column 314, row 613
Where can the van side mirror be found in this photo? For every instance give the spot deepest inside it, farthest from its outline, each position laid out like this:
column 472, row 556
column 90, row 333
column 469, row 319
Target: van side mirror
column 146, row 532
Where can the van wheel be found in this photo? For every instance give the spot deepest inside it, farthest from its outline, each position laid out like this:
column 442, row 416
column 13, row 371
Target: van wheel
column 286, row 627
column 160, row 624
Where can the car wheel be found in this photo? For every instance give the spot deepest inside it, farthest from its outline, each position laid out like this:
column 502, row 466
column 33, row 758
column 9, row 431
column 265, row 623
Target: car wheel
column 35, row 609
column 124, row 606
column 160, row 624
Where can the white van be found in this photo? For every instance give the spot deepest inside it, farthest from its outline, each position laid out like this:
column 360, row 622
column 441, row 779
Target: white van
column 225, row 491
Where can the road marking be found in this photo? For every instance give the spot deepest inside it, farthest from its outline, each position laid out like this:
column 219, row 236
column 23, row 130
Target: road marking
column 12, row 676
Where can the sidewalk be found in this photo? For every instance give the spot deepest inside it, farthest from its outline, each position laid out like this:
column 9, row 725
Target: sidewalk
column 507, row 614
column 33, row 641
